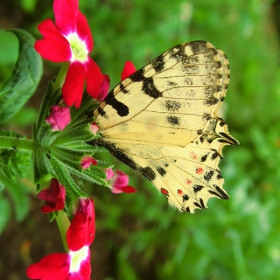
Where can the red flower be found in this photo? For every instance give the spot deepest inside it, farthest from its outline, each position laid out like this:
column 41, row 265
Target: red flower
column 54, row 197
column 59, row 117
column 120, row 182
column 87, row 161
column 104, row 88
column 70, row 39
column 76, row 264
column 82, row 229
column 128, row 70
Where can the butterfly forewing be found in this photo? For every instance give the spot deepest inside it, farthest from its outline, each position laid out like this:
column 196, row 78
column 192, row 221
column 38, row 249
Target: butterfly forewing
column 162, row 121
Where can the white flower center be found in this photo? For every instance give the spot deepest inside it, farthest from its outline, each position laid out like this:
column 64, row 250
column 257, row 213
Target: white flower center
column 78, row 47
column 77, row 258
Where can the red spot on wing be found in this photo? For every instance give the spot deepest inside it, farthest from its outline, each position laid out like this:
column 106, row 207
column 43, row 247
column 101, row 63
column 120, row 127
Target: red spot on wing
column 199, row 170
column 164, row 191
column 180, row 192
column 188, row 181
column 193, row 155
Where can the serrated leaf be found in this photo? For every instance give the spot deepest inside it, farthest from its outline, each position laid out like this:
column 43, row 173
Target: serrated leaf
column 41, row 165
column 63, row 176
column 26, row 76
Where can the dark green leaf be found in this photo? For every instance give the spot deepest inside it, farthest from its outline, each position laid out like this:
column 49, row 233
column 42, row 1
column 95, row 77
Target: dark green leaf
column 26, row 76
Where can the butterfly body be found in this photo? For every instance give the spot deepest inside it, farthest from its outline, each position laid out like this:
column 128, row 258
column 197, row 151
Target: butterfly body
column 162, row 121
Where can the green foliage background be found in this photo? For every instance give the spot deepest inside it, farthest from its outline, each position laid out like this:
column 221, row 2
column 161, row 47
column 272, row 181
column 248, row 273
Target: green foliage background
column 146, row 239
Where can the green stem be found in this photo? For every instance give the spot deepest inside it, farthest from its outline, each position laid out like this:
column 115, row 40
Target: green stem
column 59, row 81
column 63, row 224
column 8, row 142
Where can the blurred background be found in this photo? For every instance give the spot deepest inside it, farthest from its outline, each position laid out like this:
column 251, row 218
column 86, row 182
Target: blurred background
column 138, row 236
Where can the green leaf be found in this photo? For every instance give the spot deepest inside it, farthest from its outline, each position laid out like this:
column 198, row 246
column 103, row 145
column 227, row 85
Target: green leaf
column 26, row 76
column 5, row 210
column 13, row 162
column 19, row 195
column 41, row 165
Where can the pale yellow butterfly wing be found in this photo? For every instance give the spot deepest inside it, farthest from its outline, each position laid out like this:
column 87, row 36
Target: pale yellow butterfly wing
column 162, row 122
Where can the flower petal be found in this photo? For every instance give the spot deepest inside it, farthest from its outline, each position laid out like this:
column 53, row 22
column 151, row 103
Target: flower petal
column 54, row 46
column 54, row 197
column 93, row 128
column 66, row 12
column 87, row 161
column 94, row 78
column 59, row 117
column 121, row 180
column 129, row 189
column 104, row 88
column 72, row 89
column 128, row 70
column 54, row 266
column 84, row 31
column 82, row 229
column 109, row 173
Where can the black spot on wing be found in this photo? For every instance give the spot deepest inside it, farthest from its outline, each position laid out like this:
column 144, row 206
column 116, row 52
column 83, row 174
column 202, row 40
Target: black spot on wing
column 178, row 52
column 220, row 193
column 120, row 107
column 231, row 139
column 100, row 111
column 201, row 205
column 148, row 172
column 219, row 176
column 203, row 158
column 211, row 101
column 198, row 46
column 215, row 155
column 138, row 76
column 123, row 89
column 208, row 175
column 158, row 63
column 150, row 89
column 197, row 188
column 185, row 197
column 172, row 105
column 173, row 120
column 161, row 171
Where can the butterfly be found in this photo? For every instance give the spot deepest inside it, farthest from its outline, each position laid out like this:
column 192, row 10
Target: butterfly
column 162, row 122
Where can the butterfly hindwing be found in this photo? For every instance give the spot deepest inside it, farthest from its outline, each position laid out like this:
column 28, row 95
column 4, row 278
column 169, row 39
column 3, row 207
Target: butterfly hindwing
column 162, row 122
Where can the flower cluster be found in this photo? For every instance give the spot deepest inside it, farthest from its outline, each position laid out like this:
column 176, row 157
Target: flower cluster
column 76, row 263
column 69, row 41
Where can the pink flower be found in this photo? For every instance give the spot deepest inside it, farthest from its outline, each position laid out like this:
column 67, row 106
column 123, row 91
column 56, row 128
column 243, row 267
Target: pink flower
column 119, row 183
column 94, row 128
column 87, row 161
column 109, row 173
column 76, row 264
column 128, row 70
column 54, row 197
column 59, row 117
column 70, row 39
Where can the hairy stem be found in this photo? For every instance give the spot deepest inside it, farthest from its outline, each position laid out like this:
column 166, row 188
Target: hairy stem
column 9, row 142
